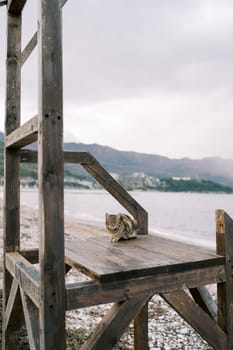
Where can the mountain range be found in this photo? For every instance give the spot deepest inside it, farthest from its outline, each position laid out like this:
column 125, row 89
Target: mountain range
column 126, row 163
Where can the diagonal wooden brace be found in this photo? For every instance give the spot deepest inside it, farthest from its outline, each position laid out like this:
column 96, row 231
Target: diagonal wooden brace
column 203, row 298
column 10, row 302
column 31, row 315
column 197, row 318
column 114, row 324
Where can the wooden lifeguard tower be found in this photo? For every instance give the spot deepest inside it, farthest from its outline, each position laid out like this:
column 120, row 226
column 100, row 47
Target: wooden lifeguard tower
column 126, row 274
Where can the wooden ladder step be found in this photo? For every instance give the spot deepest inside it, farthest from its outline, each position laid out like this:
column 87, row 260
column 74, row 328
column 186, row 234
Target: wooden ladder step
column 24, row 135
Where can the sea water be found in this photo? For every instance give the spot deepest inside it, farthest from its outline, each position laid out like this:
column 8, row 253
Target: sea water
column 184, row 216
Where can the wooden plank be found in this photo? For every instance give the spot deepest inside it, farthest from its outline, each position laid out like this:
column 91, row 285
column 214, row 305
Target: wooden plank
column 114, row 324
column 30, row 156
column 26, row 275
column 197, row 318
column 130, row 259
column 11, row 171
column 80, row 295
column 33, row 42
column 78, row 157
column 32, row 255
column 31, row 315
column 28, row 49
column 225, row 297
column 141, row 340
column 105, row 179
column 221, row 287
column 16, row 6
column 10, row 302
column 51, row 177
column 118, row 192
column 203, row 298
column 24, row 135
column 15, row 318
column 228, row 224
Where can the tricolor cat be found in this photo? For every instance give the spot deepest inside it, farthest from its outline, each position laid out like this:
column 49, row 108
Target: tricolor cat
column 120, row 226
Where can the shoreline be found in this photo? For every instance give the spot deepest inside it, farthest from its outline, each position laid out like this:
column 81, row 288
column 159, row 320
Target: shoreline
column 167, row 331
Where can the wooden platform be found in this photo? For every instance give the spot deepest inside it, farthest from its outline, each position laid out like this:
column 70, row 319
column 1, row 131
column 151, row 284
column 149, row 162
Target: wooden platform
column 143, row 256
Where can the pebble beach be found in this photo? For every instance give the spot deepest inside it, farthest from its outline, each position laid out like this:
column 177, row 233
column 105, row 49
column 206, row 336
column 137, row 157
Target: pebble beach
column 167, row 331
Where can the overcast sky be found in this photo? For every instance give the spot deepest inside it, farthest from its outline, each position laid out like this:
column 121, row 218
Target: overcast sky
column 153, row 76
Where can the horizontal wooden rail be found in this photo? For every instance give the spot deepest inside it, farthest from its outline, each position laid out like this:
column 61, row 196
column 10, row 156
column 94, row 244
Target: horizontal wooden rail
column 30, row 156
column 26, row 275
column 33, row 42
column 84, row 294
column 24, row 135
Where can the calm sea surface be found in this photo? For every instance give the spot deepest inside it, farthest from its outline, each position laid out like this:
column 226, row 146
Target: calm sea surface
column 186, row 216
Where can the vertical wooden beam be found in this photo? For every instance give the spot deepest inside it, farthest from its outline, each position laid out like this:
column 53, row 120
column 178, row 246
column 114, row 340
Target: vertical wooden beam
column 11, row 168
column 221, row 287
column 141, row 329
column 224, row 238
column 50, row 157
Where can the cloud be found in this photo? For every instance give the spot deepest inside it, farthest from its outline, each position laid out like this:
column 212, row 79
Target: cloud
column 150, row 75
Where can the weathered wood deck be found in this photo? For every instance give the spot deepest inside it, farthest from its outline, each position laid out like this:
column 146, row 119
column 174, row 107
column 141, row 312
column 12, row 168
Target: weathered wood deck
column 148, row 255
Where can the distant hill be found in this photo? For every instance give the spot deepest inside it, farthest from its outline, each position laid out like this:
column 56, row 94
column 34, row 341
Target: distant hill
column 125, row 164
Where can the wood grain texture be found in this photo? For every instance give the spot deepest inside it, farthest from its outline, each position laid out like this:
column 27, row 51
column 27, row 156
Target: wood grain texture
column 10, row 302
column 141, row 341
column 31, row 315
column 25, row 274
column 225, row 292
column 11, row 172
column 28, row 49
column 33, row 42
column 143, row 256
column 221, row 287
column 80, row 295
column 23, row 135
column 51, row 177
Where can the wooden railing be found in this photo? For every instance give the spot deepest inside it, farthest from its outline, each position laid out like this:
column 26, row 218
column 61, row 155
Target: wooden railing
column 94, row 168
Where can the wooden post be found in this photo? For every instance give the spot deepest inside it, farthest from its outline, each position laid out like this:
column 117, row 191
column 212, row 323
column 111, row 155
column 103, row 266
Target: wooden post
column 141, row 329
column 50, row 158
column 11, row 169
column 224, row 239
